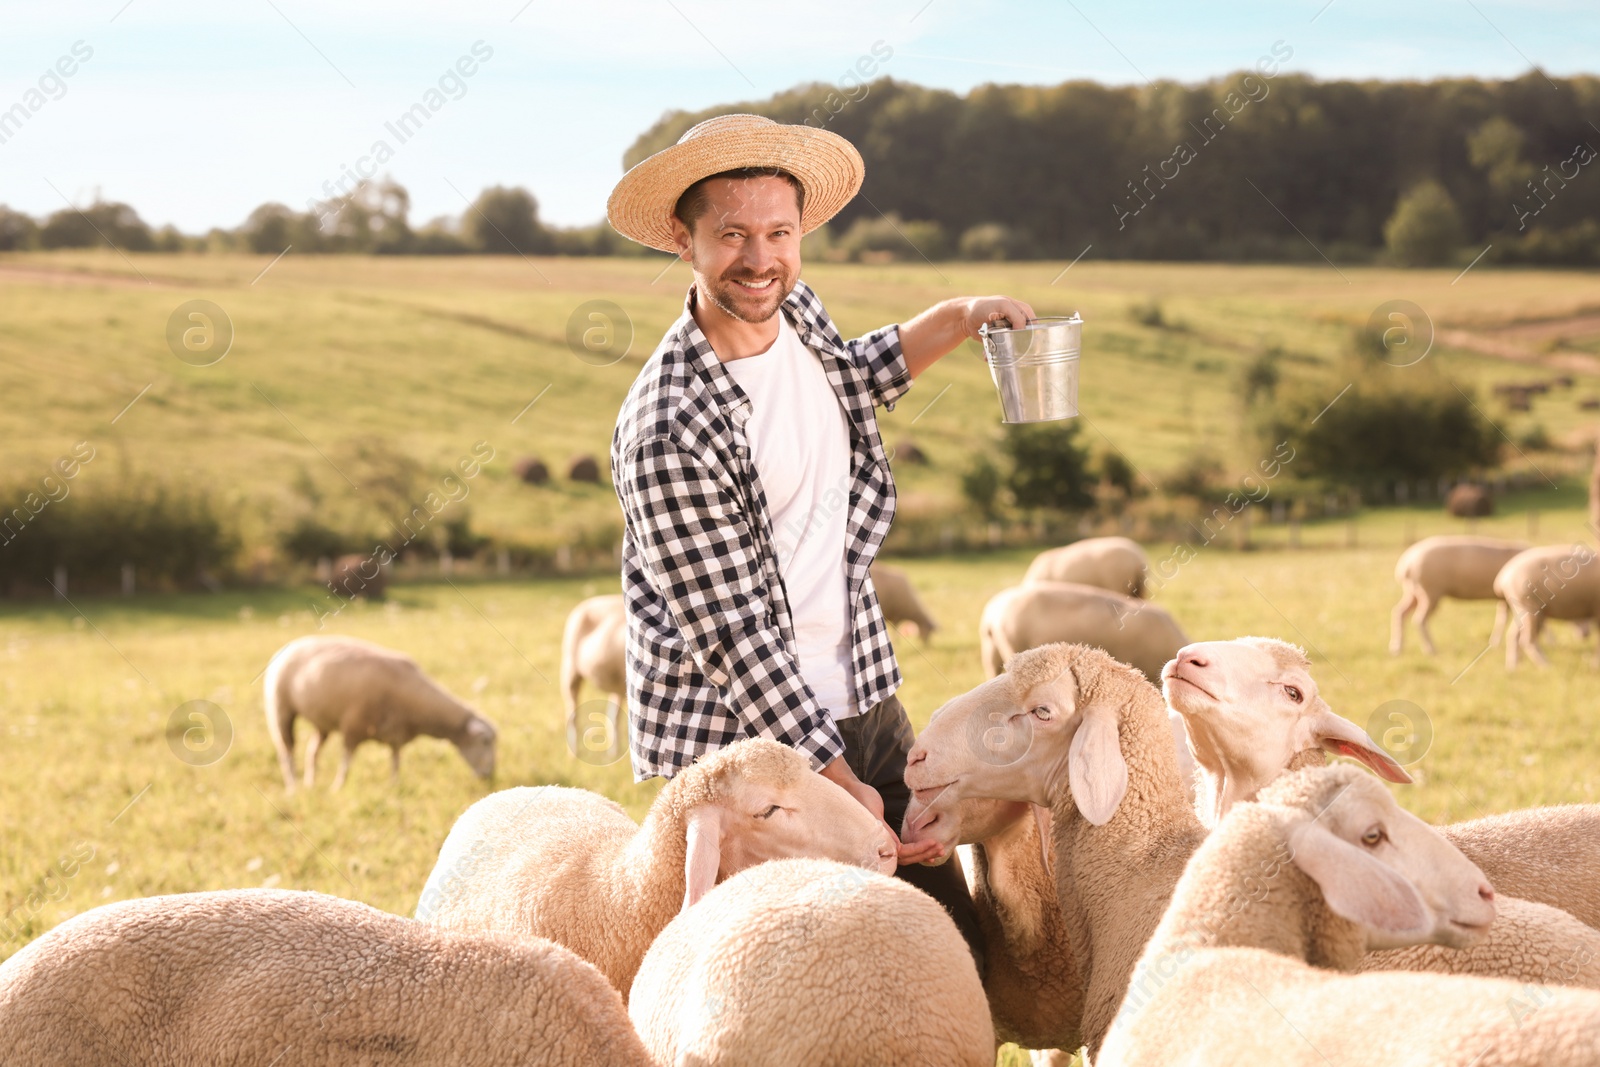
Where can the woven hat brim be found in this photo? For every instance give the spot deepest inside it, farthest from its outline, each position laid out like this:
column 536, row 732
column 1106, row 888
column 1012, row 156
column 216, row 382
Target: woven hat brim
column 828, row 166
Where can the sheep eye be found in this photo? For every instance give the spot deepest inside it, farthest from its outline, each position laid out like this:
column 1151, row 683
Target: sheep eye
column 1294, row 694
column 768, row 813
column 1373, row 836
column 1043, row 713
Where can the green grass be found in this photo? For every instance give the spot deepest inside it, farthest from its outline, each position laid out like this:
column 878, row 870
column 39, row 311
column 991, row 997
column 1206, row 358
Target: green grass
column 437, row 354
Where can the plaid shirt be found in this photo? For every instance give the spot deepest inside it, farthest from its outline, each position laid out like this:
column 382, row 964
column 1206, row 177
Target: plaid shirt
column 710, row 641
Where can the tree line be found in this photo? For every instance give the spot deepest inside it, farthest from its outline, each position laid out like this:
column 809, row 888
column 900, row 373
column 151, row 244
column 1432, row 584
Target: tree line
column 1227, row 169
column 1259, row 165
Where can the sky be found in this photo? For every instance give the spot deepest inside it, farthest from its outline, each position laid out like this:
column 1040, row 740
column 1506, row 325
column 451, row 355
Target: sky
column 197, row 112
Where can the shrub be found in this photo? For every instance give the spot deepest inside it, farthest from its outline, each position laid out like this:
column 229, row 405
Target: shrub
column 1148, row 313
column 1260, row 376
column 992, row 241
column 980, row 484
column 888, row 238
column 1425, row 229
column 1048, row 467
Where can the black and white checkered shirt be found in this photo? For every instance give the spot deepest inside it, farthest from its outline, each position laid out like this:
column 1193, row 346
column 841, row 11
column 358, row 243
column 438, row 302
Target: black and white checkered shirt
column 711, row 648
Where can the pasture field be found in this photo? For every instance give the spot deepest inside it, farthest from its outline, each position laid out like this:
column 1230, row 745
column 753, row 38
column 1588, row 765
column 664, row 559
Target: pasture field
column 103, row 796
column 432, row 355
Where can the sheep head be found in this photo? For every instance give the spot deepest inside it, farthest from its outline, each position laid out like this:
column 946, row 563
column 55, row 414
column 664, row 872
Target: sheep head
column 476, row 743
column 1019, row 736
column 757, row 800
column 1249, row 705
column 1378, row 865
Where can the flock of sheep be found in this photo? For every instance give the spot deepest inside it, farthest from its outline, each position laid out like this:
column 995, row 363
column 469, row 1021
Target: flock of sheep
column 1163, row 875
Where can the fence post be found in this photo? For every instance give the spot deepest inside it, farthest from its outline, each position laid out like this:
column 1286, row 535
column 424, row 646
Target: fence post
column 1533, row 523
column 127, row 579
column 502, row 561
column 446, row 561
column 1294, row 533
column 61, row 581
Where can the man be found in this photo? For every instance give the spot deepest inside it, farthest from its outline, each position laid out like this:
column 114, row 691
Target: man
column 753, row 481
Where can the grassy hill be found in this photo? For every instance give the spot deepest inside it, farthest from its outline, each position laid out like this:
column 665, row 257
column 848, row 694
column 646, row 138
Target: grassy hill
column 425, row 357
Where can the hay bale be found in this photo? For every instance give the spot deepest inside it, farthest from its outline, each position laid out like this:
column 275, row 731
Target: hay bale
column 1468, row 501
column 356, row 575
column 531, row 470
column 910, row 452
column 584, row 469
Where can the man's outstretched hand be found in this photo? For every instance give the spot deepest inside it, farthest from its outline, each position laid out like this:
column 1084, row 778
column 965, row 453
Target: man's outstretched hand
column 839, row 772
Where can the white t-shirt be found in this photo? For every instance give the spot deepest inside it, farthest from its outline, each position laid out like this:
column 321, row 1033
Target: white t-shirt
column 800, row 444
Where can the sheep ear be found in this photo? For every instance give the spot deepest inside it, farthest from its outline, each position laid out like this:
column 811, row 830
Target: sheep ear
column 1358, row 887
column 1096, row 770
column 1344, row 738
column 1041, row 821
column 703, row 856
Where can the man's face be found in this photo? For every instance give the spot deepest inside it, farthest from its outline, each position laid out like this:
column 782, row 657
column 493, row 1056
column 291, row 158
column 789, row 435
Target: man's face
column 745, row 247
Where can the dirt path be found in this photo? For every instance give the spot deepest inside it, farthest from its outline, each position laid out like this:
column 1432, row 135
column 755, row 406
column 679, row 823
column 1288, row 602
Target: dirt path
column 1521, row 342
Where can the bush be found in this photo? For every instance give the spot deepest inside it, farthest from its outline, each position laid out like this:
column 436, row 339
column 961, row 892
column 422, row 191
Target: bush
column 980, row 484
column 1382, row 430
column 1148, row 313
column 17, row 231
column 1116, row 471
column 992, row 241
column 1048, row 467
column 1199, row 477
column 1260, row 376
column 171, row 535
column 505, row 221
column 94, row 225
column 1425, row 229
column 887, row 238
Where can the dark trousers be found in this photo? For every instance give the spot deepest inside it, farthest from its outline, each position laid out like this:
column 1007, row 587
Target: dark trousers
column 875, row 747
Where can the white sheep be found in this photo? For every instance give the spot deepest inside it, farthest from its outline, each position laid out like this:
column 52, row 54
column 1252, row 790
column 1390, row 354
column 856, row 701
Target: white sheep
column 1042, row 612
column 364, row 692
column 1289, row 891
column 571, row 866
column 1252, row 710
column 1114, row 563
column 1550, row 582
column 593, row 649
column 1463, row 567
column 1030, row 977
column 291, row 979
column 899, row 601
column 801, row 962
column 1069, row 728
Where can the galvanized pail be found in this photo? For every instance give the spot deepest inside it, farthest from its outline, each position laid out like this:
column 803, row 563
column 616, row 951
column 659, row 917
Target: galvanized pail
column 1035, row 367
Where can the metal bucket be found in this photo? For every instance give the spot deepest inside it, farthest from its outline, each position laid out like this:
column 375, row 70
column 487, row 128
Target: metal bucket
column 1035, row 367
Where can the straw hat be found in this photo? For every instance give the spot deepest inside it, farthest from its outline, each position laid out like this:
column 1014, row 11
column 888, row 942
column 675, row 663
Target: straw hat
column 828, row 166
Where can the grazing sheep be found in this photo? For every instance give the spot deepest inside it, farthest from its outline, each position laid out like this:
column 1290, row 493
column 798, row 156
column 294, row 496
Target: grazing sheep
column 1325, row 866
column 1246, row 728
column 1121, row 827
column 900, row 602
column 1041, row 612
column 570, row 865
column 1446, row 566
column 1549, row 582
column 800, row 962
column 367, row 693
column 1114, row 563
column 593, row 648
column 261, row 976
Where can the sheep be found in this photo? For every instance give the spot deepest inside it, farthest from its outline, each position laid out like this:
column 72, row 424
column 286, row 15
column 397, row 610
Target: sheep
column 899, row 601
column 1322, row 868
column 1114, row 563
column 1031, row 980
column 1553, row 581
column 1246, row 729
column 571, row 866
column 799, row 962
column 1040, row 612
column 1447, row 566
column 367, row 693
column 1069, row 728
column 593, row 648
column 292, row 979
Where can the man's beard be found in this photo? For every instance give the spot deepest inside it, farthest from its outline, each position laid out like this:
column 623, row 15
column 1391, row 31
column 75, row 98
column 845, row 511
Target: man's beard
column 747, row 306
